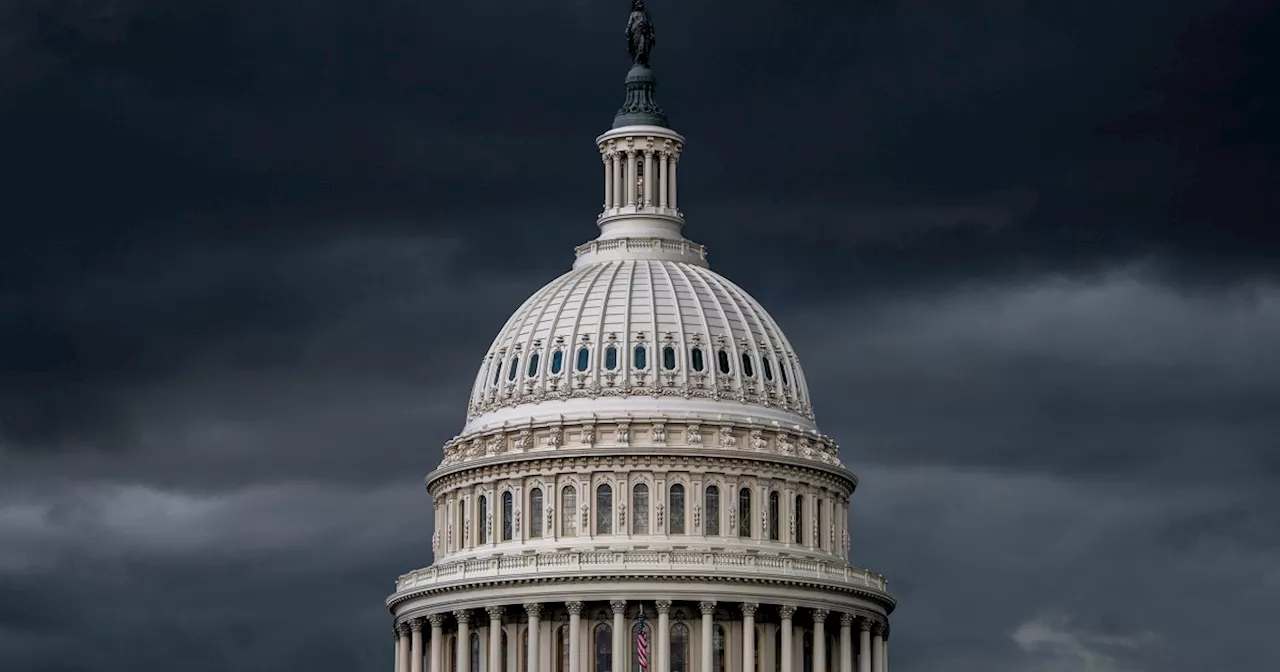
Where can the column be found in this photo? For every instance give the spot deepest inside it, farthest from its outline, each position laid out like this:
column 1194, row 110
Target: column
column 671, row 189
column 884, row 650
column 877, row 646
column 662, row 179
column 864, row 644
column 616, row 160
column 608, row 180
column 395, row 637
column 749, row 636
column 495, row 638
column 631, row 177
column 663, row 655
column 846, row 642
column 575, row 636
column 463, row 648
column 708, row 608
column 648, row 178
column 403, row 649
column 788, row 658
column 534, row 611
column 820, row 639
column 437, row 640
column 415, row 652
column 619, row 634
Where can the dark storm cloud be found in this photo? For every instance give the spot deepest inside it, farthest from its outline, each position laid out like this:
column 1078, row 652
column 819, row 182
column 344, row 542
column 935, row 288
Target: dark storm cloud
column 254, row 251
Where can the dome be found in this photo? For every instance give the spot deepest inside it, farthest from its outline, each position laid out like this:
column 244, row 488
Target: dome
column 640, row 336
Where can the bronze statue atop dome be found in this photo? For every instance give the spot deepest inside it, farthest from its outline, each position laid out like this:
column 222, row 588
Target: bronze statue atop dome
column 639, row 34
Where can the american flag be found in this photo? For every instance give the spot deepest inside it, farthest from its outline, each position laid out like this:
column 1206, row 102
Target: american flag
column 642, row 642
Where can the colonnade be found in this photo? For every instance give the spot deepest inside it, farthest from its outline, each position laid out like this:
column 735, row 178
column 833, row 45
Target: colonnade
column 415, row 652
column 630, row 179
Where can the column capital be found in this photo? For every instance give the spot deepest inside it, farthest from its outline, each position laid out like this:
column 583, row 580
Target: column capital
column 402, row 629
column 846, row 620
column 575, row 608
column 533, row 609
column 415, row 625
column 462, row 616
column 708, row 607
column 749, row 609
column 878, row 628
column 786, row 611
column 820, row 615
column 864, row 624
column 437, row 620
column 619, row 607
column 662, row 606
column 495, row 612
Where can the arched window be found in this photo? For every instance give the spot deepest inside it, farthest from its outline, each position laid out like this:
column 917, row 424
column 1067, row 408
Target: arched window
column 669, row 358
column 611, row 358
column 557, row 361
column 723, row 358
column 747, row 369
column 604, row 509
column 676, row 506
column 569, row 512
column 482, row 534
column 508, row 515
column 679, row 648
column 807, row 665
column 744, row 512
column 695, row 359
column 635, row 638
column 768, row 368
column 584, row 358
column 604, row 647
column 475, row 652
column 774, row 534
column 462, row 522
column 497, row 372
column 799, row 536
column 535, row 513
column 562, row 649
column 640, row 509
column 717, row 648
column 503, row 658
column 515, row 366
column 640, row 357
column 533, row 364
column 817, row 512
column 711, row 502
column 453, row 653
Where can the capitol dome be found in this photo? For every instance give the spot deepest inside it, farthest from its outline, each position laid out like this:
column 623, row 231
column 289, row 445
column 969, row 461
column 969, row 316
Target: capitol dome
column 640, row 485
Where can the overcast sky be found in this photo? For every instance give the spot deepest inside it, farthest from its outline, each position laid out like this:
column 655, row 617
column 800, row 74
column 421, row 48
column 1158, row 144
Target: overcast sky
column 253, row 251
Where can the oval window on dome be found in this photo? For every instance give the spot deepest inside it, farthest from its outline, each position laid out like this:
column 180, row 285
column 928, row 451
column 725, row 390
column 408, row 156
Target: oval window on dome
column 515, row 366
column 533, row 364
column 747, row 369
column 669, row 358
column 497, row 373
column 723, row 357
column 640, row 358
column 695, row 359
column 557, row 361
column 584, row 358
column 768, row 368
column 611, row 358
column 782, row 369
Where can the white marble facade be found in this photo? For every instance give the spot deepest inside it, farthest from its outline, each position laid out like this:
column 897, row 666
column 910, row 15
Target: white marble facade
column 640, row 436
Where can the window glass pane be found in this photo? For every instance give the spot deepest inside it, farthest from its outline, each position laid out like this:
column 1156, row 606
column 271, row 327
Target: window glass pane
column 508, row 516
column 799, row 536
column 562, row 641
column 774, row 533
column 744, row 512
column 640, row 509
column 695, row 359
column 515, row 366
column 808, row 651
column 611, row 358
column 482, row 534
column 535, row 513
column 475, row 651
column 677, row 509
column 817, row 511
column 557, row 361
column 717, row 648
column 641, row 357
column 747, row 369
column 584, row 359
column 679, row 648
column 768, row 369
column 724, row 361
column 712, row 505
column 604, row 648
column 497, row 372
column 533, row 364
column 669, row 358
column 604, row 509
column 504, row 658
column 524, row 646
column 782, row 368
column 569, row 512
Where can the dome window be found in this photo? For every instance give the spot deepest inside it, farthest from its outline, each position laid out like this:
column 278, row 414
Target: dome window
column 747, row 369
column 782, row 369
column 669, row 358
column 768, row 368
column 584, row 358
column 533, row 365
column 640, row 357
column 497, row 373
column 557, row 361
column 611, row 358
column 695, row 358
column 723, row 358
column 515, row 366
